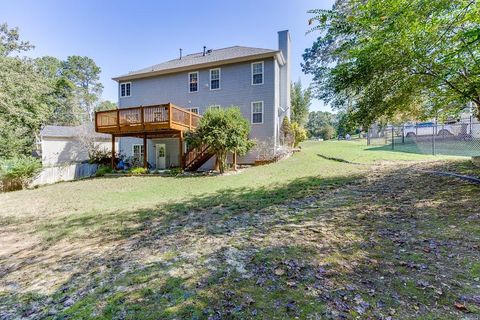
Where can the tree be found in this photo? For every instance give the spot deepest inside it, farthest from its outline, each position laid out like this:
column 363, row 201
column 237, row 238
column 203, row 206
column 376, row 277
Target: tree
column 85, row 75
column 327, row 132
column 106, row 105
column 64, row 103
column 317, row 120
column 23, row 97
column 10, row 41
column 379, row 59
column 301, row 100
column 287, row 135
column 224, row 130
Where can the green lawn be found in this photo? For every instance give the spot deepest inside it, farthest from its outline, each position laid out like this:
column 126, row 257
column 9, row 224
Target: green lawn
column 445, row 147
column 305, row 238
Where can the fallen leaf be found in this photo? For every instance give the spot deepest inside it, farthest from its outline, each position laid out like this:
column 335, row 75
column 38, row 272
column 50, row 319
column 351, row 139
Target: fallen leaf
column 460, row 306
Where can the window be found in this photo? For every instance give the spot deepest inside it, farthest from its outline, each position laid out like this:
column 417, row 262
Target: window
column 215, row 79
column 257, row 112
column 125, row 89
column 193, row 82
column 214, row 106
column 138, row 152
column 257, row 73
column 193, row 110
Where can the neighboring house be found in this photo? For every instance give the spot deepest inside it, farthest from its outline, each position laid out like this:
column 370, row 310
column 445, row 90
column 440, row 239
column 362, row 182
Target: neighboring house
column 62, row 145
column 159, row 103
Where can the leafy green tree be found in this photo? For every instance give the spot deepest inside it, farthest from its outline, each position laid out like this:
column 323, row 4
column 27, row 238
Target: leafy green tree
column 301, row 99
column 106, row 105
column 23, row 97
column 317, row 120
column 224, row 130
column 378, row 59
column 286, row 132
column 64, row 103
column 327, row 132
column 10, row 41
column 85, row 75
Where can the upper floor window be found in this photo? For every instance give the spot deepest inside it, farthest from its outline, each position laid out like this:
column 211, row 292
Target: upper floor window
column 125, row 89
column 257, row 112
column 194, row 110
column 214, row 79
column 193, row 82
column 257, row 73
column 214, row 106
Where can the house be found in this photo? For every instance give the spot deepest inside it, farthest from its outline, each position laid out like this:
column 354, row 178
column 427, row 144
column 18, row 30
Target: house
column 61, row 145
column 159, row 103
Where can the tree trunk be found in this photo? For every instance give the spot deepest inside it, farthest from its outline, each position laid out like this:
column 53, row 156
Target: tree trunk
column 476, row 112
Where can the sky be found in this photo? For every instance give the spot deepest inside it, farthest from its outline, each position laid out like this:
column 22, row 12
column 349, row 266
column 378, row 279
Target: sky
column 122, row 36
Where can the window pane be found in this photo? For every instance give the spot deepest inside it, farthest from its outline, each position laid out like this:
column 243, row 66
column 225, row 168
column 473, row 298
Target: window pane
column 215, row 74
column 257, row 118
column 122, row 89
column 193, row 82
column 257, row 68
column 257, row 78
column 128, row 89
column 215, row 84
column 257, row 107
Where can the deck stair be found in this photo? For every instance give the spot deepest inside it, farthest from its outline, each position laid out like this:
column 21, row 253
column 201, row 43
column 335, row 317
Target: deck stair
column 196, row 157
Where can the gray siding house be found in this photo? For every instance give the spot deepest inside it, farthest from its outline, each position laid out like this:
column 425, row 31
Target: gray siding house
column 254, row 79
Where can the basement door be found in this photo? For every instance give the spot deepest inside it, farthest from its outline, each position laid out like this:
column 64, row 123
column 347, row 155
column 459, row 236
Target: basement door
column 161, row 154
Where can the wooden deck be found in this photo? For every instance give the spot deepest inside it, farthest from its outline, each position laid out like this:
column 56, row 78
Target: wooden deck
column 163, row 118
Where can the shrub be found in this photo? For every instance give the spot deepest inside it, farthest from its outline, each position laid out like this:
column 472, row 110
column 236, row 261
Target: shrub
column 138, row 170
column 299, row 134
column 102, row 170
column 16, row 173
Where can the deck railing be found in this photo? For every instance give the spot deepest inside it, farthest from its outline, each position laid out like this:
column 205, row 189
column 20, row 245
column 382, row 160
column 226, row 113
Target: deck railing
column 145, row 119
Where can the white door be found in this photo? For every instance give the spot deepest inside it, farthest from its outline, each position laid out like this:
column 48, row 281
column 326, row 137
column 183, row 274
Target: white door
column 161, row 155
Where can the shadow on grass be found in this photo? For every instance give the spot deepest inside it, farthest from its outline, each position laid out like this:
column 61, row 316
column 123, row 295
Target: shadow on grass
column 320, row 248
column 189, row 213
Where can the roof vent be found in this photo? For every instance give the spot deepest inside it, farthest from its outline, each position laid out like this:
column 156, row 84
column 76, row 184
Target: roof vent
column 209, row 51
column 180, row 53
column 204, row 50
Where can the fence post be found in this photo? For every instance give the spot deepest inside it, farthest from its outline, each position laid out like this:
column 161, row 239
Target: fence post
column 393, row 138
column 433, row 138
column 403, row 134
column 368, row 137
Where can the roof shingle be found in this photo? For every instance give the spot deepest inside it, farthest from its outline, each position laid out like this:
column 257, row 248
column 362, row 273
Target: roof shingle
column 194, row 59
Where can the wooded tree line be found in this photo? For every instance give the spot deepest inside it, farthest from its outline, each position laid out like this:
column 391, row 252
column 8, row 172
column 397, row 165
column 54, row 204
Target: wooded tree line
column 396, row 59
column 45, row 90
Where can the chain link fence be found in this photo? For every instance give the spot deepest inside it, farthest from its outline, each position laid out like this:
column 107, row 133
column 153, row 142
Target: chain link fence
column 456, row 139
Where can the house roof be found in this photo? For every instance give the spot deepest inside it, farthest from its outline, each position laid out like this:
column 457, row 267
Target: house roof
column 198, row 60
column 70, row 132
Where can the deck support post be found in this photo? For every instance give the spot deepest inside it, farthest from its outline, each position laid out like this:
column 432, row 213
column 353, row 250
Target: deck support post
column 112, row 161
column 181, row 151
column 145, row 162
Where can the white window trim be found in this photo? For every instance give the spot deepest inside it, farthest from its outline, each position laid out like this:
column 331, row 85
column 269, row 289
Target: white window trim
column 125, row 83
column 198, row 81
column 214, row 106
column 251, row 112
column 219, row 78
column 263, row 73
column 133, row 150
column 196, row 108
